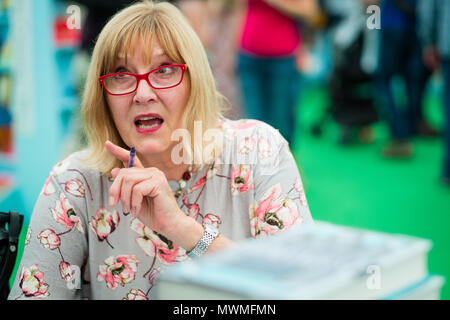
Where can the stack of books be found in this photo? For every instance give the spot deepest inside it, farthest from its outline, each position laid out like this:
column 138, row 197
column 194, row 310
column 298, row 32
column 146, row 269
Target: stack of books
column 315, row 261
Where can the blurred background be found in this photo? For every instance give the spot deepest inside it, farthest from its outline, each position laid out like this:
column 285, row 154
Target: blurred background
column 359, row 88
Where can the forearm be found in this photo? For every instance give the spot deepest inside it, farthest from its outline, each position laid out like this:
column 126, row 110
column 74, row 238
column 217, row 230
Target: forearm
column 297, row 9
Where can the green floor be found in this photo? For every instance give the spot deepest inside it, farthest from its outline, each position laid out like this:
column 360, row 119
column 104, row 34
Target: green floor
column 355, row 186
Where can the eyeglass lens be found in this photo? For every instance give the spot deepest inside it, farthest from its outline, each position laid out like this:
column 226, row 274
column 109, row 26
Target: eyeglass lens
column 160, row 78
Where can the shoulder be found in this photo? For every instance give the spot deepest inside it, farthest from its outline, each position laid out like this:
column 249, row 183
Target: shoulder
column 249, row 127
column 253, row 138
column 73, row 161
column 71, row 173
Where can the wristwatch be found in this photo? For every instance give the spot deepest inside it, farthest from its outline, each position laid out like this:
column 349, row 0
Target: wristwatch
column 202, row 245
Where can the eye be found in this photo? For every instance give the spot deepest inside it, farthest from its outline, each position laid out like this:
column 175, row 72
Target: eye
column 120, row 69
column 165, row 70
column 121, row 76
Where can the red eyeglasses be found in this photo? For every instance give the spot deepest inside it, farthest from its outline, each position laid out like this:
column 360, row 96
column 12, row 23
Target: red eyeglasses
column 122, row 83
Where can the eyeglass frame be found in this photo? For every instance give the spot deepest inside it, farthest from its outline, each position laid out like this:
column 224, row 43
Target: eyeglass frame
column 140, row 77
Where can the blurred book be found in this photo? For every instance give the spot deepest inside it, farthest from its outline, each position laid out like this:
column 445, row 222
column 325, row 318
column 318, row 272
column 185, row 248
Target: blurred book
column 314, row 261
column 428, row 288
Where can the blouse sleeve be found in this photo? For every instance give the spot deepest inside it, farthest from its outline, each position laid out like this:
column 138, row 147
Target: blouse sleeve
column 280, row 200
column 56, row 244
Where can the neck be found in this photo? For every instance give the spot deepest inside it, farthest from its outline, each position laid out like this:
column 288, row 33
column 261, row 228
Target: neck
column 164, row 163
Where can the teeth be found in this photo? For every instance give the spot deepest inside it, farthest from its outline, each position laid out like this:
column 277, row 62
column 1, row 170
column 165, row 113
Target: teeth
column 147, row 118
column 141, row 126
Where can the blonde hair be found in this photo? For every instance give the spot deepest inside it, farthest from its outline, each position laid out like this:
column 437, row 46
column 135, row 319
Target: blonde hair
column 144, row 22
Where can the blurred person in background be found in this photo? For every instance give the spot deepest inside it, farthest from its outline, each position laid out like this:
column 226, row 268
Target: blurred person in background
column 100, row 11
column 267, row 67
column 434, row 26
column 224, row 25
column 197, row 13
column 400, row 55
column 97, row 14
column 354, row 64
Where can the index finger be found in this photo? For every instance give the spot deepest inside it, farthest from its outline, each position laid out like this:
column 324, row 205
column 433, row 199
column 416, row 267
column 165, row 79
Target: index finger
column 121, row 154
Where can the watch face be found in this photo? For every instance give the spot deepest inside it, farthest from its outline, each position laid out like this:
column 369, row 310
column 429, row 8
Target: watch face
column 212, row 229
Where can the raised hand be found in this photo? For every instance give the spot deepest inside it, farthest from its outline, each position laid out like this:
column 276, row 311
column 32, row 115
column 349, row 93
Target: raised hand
column 145, row 192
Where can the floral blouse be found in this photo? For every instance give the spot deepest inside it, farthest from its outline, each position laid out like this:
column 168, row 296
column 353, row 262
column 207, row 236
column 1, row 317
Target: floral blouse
column 77, row 246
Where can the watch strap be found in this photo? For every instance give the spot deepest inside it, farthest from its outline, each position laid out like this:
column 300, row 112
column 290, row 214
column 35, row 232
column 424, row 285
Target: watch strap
column 203, row 244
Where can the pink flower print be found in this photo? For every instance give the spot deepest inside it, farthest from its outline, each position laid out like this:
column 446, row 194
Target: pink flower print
column 31, row 281
column 264, row 148
column 193, row 209
column 243, row 124
column 153, row 244
column 199, row 184
column 27, row 239
column 154, row 275
column 104, row 223
column 168, row 251
column 135, row 294
column 144, row 240
column 75, row 188
column 247, row 145
column 241, row 179
column 274, row 213
column 65, row 214
column 283, row 217
column 118, row 270
column 49, row 239
column 66, row 272
column 298, row 185
column 211, row 219
column 49, row 188
column 235, row 128
column 299, row 188
column 211, row 172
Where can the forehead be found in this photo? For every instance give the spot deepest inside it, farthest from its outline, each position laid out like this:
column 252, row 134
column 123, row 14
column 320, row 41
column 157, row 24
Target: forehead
column 146, row 45
column 147, row 54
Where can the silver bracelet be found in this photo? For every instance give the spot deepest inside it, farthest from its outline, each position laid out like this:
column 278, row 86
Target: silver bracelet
column 202, row 245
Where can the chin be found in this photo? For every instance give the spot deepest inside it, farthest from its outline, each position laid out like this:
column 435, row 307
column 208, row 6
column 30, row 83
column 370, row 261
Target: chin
column 153, row 146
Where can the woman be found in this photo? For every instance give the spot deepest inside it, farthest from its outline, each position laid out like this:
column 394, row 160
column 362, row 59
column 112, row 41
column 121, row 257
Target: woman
column 116, row 224
column 269, row 42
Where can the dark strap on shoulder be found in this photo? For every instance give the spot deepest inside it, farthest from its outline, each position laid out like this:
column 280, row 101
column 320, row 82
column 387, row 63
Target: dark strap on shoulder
column 14, row 227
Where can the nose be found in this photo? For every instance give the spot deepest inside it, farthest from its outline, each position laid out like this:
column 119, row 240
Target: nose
column 144, row 93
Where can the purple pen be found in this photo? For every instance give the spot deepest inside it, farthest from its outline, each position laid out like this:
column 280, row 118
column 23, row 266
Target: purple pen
column 132, row 156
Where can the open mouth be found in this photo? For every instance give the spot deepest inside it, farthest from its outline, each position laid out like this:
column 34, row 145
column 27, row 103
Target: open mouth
column 148, row 122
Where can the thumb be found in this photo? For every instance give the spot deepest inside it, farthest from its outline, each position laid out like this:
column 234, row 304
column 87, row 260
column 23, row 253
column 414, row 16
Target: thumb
column 121, row 154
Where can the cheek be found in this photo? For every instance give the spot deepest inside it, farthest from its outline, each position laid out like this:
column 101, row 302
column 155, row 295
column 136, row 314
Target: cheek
column 179, row 103
column 119, row 107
